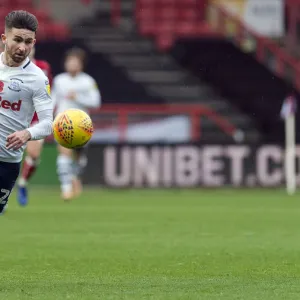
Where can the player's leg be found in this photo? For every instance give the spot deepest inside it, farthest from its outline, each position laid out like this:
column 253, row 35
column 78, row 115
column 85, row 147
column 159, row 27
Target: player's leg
column 80, row 162
column 9, row 173
column 64, row 164
column 31, row 162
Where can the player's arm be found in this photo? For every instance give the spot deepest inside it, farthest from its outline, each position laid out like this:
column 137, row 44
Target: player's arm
column 44, row 127
column 90, row 97
column 44, row 108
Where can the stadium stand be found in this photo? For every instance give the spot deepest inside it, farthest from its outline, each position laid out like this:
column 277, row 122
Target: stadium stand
column 115, row 86
column 269, row 78
column 148, row 51
column 48, row 27
column 165, row 20
column 256, row 91
column 158, row 73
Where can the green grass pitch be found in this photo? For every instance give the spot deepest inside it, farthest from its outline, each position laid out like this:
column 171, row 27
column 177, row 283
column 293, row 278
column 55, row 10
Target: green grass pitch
column 159, row 244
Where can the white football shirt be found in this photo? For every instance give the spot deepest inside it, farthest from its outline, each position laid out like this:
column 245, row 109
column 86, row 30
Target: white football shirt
column 87, row 94
column 23, row 90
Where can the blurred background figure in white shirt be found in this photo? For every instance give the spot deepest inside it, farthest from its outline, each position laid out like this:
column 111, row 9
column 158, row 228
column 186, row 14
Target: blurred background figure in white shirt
column 73, row 89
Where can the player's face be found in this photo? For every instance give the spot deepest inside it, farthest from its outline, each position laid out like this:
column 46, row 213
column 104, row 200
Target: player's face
column 18, row 43
column 73, row 65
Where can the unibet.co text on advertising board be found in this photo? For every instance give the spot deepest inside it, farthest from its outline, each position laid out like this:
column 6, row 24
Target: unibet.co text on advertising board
column 189, row 165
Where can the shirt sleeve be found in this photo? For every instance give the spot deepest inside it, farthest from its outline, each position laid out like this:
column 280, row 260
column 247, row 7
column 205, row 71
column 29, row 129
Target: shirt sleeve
column 44, row 127
column 90, row 97
column 43, row 105
column 41, row 94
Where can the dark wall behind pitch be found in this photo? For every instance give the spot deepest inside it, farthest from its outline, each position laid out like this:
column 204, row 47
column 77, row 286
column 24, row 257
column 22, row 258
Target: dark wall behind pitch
column 240, row 78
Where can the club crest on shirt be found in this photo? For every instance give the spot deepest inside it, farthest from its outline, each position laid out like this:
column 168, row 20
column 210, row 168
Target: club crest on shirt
column 1, row 86
column 15, row 84
column 48, row 87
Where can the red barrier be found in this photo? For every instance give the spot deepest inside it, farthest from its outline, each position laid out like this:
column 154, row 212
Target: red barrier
column 123, row 112
column 115, row 12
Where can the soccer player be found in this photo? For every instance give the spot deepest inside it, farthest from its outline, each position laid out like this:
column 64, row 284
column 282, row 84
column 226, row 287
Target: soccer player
column 73, row 89
column 24, row 89
column 34, row 148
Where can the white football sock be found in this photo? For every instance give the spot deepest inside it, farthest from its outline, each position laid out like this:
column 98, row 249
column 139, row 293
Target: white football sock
column 65, row 172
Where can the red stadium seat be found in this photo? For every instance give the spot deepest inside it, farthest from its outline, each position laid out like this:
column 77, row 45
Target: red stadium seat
column 144, row 4
column 187, row 14
column 166, row 3
column 165, row 19
column 145, row 14
column 187, row 3
column 22, row 4
column 5, row 4
column 3, row 12
column 164, row 41
column 147, row 28
column 42, row 32
column 165, row 14
column 2, row 25
column 204, row 29
column 185, row 28
column 42, row 16
column 164, row 27
column 60, row 31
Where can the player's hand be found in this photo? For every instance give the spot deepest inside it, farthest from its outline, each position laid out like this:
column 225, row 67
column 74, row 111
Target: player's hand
column 72, row 96
column 17, row 139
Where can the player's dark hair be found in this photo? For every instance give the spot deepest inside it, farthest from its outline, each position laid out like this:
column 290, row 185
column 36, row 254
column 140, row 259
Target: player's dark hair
column 77, row 52
column 21, row 19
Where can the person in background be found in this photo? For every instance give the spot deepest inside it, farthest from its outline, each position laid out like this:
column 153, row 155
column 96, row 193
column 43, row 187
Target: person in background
column 73, row 89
